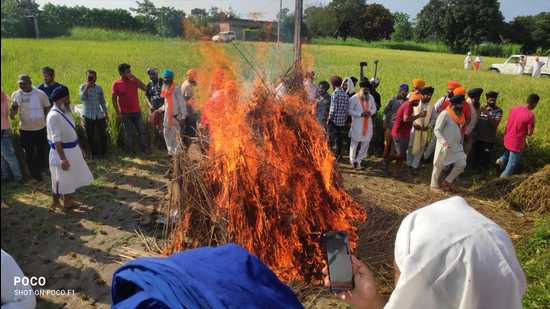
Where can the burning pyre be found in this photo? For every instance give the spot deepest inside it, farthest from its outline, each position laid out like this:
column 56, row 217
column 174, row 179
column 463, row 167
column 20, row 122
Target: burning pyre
column 267, row 181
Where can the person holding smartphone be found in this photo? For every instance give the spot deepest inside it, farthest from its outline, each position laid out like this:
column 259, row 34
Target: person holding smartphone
column 126, row 103
column 447, row 255
column 95, row 115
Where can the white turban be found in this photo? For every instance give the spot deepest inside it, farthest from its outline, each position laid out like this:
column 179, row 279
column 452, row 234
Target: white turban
column 351, row 86
column 451, row 256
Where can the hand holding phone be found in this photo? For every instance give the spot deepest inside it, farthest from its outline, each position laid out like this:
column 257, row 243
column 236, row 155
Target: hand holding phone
column 338, row 260
column 361, row 288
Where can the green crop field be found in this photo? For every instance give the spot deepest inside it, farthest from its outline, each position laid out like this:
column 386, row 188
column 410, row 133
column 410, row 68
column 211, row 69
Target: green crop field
column 71, row 58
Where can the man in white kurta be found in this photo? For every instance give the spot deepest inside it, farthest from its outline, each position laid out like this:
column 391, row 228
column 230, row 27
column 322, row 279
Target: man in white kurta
column 361, row 108
column 448, row 149
column 468, row 61
column 174, row 111
column 419, row 134
column 68, row 169
column 537, row 67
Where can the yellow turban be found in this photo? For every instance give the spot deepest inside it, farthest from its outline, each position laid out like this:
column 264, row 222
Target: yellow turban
column 418, row 83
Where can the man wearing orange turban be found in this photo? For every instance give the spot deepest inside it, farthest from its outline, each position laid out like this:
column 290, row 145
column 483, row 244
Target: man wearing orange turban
column 440, row 106
column 418, row 84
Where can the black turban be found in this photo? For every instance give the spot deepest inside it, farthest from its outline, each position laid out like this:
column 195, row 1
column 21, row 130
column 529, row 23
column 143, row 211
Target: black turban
column 492, row 95
column 59, row 93
column 457, row 99
column 427, row 90
column 475, row 92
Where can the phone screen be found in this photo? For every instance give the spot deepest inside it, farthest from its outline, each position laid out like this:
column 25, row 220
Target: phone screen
column 339, row 261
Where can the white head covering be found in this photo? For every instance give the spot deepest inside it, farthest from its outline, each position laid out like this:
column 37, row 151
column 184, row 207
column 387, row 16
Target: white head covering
column 18, row 295
column 351, row 86
column 451, row 256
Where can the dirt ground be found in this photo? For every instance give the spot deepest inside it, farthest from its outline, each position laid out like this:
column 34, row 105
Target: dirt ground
column 79, row 250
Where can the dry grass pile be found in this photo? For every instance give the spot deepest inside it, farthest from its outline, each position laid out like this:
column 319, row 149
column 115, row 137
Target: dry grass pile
column 532, row 194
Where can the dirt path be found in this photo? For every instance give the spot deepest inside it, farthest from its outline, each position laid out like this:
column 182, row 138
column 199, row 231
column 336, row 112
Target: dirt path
column 80, row 250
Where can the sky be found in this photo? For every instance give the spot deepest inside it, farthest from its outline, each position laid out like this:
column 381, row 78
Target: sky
column 269, row 8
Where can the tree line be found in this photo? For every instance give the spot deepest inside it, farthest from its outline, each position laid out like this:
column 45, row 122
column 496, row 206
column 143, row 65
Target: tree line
column 460, row 24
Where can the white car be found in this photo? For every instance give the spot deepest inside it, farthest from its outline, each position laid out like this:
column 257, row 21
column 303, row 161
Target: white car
column 512, row 66
column 226, row 36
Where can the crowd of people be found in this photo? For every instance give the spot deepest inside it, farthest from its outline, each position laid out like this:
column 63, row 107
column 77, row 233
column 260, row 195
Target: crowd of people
column 48, row 134
column 453, row 132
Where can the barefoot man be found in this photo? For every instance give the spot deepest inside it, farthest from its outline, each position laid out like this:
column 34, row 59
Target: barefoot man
column 67, row 166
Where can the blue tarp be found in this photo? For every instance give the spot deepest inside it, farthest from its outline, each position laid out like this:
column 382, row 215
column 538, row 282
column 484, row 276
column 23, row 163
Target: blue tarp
column 221, row 277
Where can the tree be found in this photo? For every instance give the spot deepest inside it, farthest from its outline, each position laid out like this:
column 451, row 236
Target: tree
column 14, row 20
column 402, row 28
column 346, row 13
column 320, row 21
column 461, row 24
column 376, row 23
column 430, row 25
column 532, row 32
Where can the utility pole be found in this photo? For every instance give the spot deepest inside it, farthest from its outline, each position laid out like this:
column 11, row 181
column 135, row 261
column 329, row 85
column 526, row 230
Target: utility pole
column 297, row 33
column 29, row 9
column 279, row 22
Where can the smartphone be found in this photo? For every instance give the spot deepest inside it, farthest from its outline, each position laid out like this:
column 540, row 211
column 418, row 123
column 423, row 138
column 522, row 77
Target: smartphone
column 338, row 260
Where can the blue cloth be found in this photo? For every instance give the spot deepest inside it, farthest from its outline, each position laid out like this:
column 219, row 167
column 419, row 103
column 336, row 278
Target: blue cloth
column 221, row 277
column 168, row 74
column 511, row 159
column 69, row 145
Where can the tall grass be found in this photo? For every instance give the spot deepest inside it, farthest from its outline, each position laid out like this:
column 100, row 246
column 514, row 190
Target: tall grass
column 385, row 44
column 71, row 58
column 497, row 50
column 99, row 34
column 484, row 49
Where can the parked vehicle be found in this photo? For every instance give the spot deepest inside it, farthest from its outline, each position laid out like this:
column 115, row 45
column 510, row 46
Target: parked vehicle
column 512, row 66
column 226, row 36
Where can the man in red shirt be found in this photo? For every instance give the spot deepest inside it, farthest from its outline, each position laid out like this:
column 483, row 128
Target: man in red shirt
column 126, row 104
column 520, row 124
column 401, row 129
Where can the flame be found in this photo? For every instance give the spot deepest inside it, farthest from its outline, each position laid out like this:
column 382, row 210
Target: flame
column 270, row 173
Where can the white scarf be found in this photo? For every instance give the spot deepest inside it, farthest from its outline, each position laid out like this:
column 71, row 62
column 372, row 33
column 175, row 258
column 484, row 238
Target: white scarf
column 351, row 87
column 451, row 256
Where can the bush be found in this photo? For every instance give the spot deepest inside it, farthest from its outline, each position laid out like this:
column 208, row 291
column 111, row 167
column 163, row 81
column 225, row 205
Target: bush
column 497, row 50
column 386, row 44
column 98, row 34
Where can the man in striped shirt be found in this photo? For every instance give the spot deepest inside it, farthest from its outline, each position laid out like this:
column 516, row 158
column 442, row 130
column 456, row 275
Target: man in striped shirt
column 337, row 116
column 95, row 115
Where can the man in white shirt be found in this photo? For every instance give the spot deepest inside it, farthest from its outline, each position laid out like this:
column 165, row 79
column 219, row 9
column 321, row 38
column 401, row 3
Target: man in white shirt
column 32, row 105
column 468, row 61
column 174, row 112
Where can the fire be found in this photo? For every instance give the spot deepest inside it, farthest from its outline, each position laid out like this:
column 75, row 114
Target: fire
column 270, row 183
